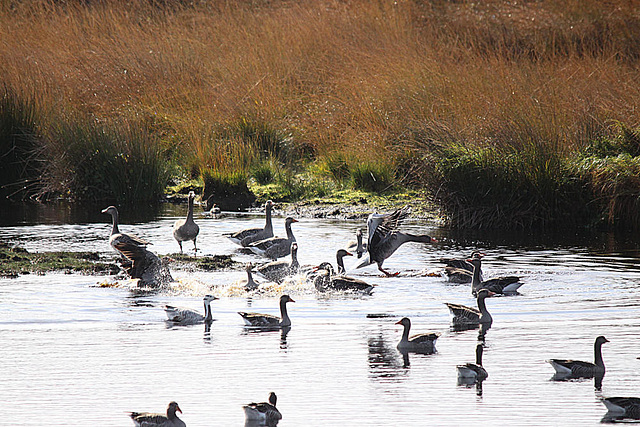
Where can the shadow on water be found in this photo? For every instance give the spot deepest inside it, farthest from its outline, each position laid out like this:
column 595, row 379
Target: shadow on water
column 597, row 380
column 384, row 362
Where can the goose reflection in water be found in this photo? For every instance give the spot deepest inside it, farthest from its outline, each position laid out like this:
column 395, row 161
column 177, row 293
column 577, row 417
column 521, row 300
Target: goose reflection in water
column 383, row 359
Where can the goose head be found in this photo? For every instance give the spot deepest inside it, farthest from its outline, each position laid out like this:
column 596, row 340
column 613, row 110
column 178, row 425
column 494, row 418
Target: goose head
column 485, row 293
column 208, row 298
column 404, row 322
column 289, row 220
column 273, row 398
column 111, row 210
column 285, row 299
column 601, row 340
column 172, row 409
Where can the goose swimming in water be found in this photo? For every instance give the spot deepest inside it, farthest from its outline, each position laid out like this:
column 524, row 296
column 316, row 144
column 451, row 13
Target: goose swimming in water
column 506, row 285
column 460, row 270
column 276, row 271
column 620, row 408
column 473, row 372
column 385, row 239
column 263, row 412
column 275, row 247
column 469, row 316
column 421, row 343
column 250, row 235
column 578, row 369
column 186, row 229
column 147, row 419
column 268, row 320
column 325, row 280
column 187, row 316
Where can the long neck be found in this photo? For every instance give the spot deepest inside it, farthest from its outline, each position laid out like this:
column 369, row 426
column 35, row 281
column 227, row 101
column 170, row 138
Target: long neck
column 290, row 236
column 482, row 306
column 597, row 353
column 250, row 281
column 284, row 316
column 423, row 238
column 359, row 248
column 479, row 355
column 114, row 220
column 207, row 312
column 268, row 226
column 190, row 211
column 341, row 268
column 294, row 258
column 475, row 282
column 405, row 333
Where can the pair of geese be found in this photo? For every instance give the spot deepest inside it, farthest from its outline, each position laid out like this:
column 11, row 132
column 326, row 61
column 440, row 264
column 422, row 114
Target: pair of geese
column 264, row 412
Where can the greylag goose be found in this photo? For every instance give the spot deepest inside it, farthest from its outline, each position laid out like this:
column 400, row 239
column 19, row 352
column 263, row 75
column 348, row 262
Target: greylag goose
column 422, row 343
column 186, row 229
column 473, row 372
column 620, row 408
column 276, row 271
column 263, row 412
column 507, row 285
column 358, row 247
column 268, row 320
column 250, row 284
column 385, row 239
column 469, row 316
column 460, row 270
column 137, row 261
column 250, row 235
column 214, row 212
column 577, row 369
column 325, row 280
column 275, row 247
column 187, row 316
column 147, row 419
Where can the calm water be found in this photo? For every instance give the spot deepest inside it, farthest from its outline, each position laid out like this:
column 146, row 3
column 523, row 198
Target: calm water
column 76, row 354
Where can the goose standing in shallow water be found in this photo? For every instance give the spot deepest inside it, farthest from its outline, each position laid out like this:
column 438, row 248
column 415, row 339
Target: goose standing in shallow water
column 469, row 316
column 421, row 343
column 472, row 372
column 506, row 285
column 147, row 419
column 186, row 316
column 275, row 247
column 385, row 239
column 250, row 235
column 276, row 271
column 121, row 241
column 566, row 369
column 186, row 229
column 268, row 320
column 263, row 412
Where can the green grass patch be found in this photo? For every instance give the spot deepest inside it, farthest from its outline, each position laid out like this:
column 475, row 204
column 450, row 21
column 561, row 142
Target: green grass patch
column 372, row 176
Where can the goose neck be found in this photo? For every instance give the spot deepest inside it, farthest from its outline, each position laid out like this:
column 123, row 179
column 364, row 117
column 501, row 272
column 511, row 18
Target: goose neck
column 597, row 350
column 268, row 226
column 207, row 312
column 283, row 314
column 114, row 221
column 190, row 210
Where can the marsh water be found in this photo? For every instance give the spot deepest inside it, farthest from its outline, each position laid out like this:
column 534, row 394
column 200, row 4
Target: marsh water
column 79, row 350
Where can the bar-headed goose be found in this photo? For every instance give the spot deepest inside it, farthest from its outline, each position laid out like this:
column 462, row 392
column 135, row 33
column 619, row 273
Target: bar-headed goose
column 385, row 239
column 421, row 343
column 472, row 372
column 187, row 316
column 250, row 235
column 264, row 412
column 147, row 419
column 268, row 320
column 186, row 229
column 275, row 247
column 577, row 369
column 506, row 285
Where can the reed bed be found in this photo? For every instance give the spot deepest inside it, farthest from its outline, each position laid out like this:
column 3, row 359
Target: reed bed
column 355, row 89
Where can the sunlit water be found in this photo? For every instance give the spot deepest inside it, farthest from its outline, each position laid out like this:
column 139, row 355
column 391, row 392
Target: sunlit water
column 76, row 354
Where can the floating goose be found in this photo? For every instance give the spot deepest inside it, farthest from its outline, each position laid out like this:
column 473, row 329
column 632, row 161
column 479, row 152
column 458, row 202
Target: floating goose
column 186, row 316
column 276, row 271
column 326, row 280
column 385, row 239
column 263, row 412
column 137, row 261
column 186, row 229
column 473, row 372
column 275, row 247
column 577, row 369
column 358, row 247
column 422, row 343
column 250, row 235
column 507, row 285
column 460, row 270
column 147, row 419
column 214, row 212
column 268, row 320
column 469, row 316
column 620, row 408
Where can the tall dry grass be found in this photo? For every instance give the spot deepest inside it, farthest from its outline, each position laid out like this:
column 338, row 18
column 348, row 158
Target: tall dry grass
column 373, row 82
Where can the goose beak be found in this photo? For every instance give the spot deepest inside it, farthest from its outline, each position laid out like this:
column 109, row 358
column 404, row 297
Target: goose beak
column 294, row 220
column 491, row 293
column 399, row 322
column 291, row 299
column 349, row 254
column 178, row 409
column 434, row 240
